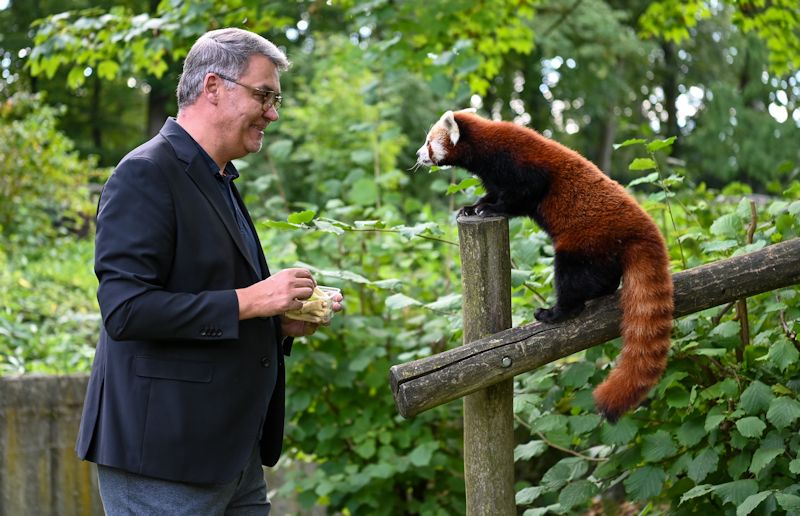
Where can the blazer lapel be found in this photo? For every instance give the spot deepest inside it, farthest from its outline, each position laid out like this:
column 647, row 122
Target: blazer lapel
column 199, row 173
column 263, row 270
column 186, row 151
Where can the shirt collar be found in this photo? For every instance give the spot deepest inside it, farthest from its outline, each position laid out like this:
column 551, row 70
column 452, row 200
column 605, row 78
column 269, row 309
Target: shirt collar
column 230, row 170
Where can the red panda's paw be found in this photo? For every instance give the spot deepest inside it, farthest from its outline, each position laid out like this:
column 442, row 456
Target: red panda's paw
column 467, row 211
column 557, row 313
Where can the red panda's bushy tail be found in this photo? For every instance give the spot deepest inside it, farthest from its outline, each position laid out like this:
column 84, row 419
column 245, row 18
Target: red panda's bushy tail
column 647, row 311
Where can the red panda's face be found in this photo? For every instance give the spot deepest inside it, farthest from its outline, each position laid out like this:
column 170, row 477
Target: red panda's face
column 440, row 140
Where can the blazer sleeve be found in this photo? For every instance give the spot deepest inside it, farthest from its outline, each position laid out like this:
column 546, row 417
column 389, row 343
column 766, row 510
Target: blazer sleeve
column 134, row 250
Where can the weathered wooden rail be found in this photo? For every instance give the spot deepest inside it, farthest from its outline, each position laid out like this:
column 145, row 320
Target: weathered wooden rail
column 482, row 370
column 426, row 383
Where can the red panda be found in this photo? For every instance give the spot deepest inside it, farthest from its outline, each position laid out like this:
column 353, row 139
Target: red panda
column 599, row 232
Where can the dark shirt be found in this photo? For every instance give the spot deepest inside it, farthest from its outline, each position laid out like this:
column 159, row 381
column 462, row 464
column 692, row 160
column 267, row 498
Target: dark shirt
column 226, row 189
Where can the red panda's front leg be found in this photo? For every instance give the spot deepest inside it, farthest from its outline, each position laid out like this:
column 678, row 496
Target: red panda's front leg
column 479, row 208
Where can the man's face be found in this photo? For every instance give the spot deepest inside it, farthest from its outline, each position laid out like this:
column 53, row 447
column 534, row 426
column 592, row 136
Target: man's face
column 245, row 118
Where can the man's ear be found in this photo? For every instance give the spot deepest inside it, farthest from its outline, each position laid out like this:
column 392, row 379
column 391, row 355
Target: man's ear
column 449, row 123
column 211, row 86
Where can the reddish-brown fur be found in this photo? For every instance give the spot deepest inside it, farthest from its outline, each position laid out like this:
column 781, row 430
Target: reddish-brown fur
column 587, row 214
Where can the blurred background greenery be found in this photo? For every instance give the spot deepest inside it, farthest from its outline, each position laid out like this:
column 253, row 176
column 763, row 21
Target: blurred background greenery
column 83, row 82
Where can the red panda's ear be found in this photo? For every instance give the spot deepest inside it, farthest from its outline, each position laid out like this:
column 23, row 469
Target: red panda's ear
column 449, row 123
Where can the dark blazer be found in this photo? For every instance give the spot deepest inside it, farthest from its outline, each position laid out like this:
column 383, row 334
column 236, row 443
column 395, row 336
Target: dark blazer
column 180, row 388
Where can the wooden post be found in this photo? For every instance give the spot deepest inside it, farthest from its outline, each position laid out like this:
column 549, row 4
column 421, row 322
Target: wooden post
column 488, row 413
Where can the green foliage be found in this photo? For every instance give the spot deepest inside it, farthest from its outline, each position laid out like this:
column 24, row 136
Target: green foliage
column 120, row 40
column 400, row 285
column 672, row 20
column 43, row 181
column 330, row 192
column 49, row 317
column 719, row 432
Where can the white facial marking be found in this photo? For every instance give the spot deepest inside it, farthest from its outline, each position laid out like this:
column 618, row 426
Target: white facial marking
column 439, row 152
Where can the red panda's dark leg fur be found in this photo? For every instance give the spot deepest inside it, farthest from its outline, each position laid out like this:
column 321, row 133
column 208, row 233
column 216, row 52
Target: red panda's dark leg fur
column 478, row 207
column 580, row 277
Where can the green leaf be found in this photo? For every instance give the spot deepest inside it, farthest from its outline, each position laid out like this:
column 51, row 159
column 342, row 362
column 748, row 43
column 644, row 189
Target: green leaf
column 727, row 388
column 642, row 164
column 550, row 423
column 763, row 457
column 658, row 446
column 448, row 303
column 657, row 145
column 463, row 185
column 628, row 143
column 788, row 502
column 364, row 192
column 714, row 418
column 716, row 246
column 729, row 225
column 328, row 227
column 577, row 374
column 620, row 433
column 783, row 412
column 678, row 397
column 737, row 491
column 670, row 380
column 107, row 70
column 794, row 466
column 528, row 495
column 422, row 454
column 739, row 464
column 365, row 449
column 756, row 398
column 280, row 149
column 279, row 224
column 648, row 180
column 400, row 301
column 529, row 450
column 301, row 217
column 726, row 330
column 783, row 354
column 691, row 432
column 751, row 502
column 362, row 156
column 751, row 426
column 584, row 423
column 696, row 492
column 563, row 471
column 576, row 494
column 645, row 482
column 704, row 464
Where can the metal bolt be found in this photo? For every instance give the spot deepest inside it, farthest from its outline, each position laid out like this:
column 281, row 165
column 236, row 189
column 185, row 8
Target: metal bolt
column 506, row 361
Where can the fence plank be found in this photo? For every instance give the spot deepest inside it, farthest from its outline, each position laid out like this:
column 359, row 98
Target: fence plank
column 489, row 412
column 432, row 381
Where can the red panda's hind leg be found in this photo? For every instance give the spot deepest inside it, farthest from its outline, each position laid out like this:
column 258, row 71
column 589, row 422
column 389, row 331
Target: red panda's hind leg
column 578, row 278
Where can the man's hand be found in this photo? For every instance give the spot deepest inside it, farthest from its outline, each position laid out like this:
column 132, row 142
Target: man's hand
column 295, row 328
column 275, row 295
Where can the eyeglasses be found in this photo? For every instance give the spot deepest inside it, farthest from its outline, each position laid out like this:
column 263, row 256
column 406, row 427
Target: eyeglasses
column 268, row 98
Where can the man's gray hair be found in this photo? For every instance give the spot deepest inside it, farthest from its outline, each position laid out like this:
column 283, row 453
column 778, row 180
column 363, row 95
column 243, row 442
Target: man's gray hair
column 225, row 51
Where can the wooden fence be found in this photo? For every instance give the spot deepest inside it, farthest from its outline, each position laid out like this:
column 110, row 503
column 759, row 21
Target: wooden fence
column 41, row 475
column 481, row 371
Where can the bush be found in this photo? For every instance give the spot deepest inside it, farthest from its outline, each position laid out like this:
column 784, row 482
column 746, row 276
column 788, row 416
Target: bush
column 44, row 184
column 720, row 431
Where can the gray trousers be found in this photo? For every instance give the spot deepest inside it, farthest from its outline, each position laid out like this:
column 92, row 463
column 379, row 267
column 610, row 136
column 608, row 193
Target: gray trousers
column 125, row 494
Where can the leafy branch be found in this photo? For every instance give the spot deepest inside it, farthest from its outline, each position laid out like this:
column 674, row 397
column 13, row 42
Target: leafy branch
column 651, row 163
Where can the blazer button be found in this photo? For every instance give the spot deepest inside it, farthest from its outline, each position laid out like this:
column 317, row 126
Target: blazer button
column 218, row 333
column 203, row 332
column 265, row 362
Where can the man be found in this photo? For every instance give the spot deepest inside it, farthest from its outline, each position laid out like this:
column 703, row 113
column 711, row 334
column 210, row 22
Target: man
column 186, row 396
